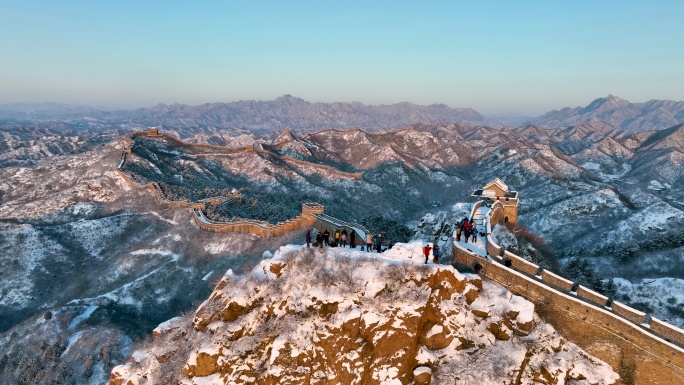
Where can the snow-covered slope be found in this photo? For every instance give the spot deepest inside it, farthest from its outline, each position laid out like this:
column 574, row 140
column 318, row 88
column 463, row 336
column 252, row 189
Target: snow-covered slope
column 343, row 316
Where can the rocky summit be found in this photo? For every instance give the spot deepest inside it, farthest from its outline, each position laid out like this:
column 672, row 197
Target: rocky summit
column 344, row 316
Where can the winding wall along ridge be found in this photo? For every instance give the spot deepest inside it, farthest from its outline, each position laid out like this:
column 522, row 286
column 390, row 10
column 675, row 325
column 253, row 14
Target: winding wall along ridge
column 312, row 213
column 642, row 354
column 256, row 149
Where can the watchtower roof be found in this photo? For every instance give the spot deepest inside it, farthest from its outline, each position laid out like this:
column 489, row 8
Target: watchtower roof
column 496, row 183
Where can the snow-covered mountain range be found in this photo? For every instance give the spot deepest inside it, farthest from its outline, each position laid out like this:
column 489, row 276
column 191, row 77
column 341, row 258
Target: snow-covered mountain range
column 83, row 256
column 287, row 111
column 648, row 116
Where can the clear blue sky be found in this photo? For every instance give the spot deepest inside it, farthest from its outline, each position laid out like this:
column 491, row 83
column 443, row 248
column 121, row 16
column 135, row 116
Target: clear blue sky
column 495, row 56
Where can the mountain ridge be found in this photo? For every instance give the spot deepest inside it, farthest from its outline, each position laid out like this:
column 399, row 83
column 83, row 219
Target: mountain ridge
column 292, row 112
column 286, row 111
column 647, row 116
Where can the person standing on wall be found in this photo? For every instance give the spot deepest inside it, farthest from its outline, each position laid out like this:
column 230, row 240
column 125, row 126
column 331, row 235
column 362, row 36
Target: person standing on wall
column 369, row 241
column 352, row 239
column 337, row 237
column 378, row 242
column 459, row 228
column 426, row 252
column 436, row 253
column 326, row 237
column 473, row 231
column 308, row 239
column 343, row 237
column 319, row 240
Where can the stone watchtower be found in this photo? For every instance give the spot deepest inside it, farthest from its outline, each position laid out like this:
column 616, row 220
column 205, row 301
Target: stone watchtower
column 153, row 131
column 497, row 190
column 309, row 211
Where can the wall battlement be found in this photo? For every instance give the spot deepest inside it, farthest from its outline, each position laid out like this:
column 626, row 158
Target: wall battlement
column 651, row 353
column 312, row 213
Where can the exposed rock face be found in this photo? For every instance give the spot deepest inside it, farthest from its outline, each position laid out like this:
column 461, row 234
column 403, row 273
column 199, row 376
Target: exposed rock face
column 343, row 317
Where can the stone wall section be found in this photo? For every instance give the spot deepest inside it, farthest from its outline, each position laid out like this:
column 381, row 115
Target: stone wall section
column 476, row 206
column 630, row 350
column 642, row 354
column 521, row 264
column 492, row 247
column 557, row 280
column 261, row 228
column 496, row 214
column 591, row 296
column 666, row 330
column 311, row 212
column 250, row 148
column 329, row 169
column 634, row 315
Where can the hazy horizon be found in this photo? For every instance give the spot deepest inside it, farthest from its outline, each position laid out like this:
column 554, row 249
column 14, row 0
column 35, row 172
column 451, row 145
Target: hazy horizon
column 497, row 58
column 501, row 114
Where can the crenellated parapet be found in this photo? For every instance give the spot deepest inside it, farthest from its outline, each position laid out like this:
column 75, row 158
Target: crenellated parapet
column 260, row 228
column 643, row 349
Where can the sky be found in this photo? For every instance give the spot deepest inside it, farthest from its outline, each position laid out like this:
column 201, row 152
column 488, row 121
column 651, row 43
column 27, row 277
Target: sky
column 498, row 57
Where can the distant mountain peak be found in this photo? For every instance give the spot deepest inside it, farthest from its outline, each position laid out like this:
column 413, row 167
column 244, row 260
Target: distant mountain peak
column 608, row 102
column 618, row 112
column 613, row 97
column 288, row 111
column 287, row 98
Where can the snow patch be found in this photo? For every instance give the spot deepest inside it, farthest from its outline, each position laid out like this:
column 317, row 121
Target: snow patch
column 81, row 317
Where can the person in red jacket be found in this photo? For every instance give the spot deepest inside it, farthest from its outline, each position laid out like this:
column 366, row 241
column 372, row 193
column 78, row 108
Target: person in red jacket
column 426, row 251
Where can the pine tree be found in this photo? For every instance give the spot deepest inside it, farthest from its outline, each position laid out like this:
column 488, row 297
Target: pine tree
column 610, row 289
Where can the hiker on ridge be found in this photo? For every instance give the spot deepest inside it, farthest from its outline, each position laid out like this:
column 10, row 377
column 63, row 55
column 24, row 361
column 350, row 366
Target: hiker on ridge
column 436, row 253
column 319, row 240
column 326, row 237
column 343, row 237
column 473, row 231
column 426, row 251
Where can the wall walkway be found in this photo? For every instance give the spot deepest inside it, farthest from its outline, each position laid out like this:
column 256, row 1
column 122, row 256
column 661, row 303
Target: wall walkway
column 643, row 351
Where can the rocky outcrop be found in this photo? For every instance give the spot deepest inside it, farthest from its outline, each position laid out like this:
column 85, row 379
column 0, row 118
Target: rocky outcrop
column 342, row 317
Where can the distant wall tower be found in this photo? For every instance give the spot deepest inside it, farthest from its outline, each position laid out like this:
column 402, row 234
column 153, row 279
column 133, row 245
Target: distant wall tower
column 309, row 212
column 497, row 190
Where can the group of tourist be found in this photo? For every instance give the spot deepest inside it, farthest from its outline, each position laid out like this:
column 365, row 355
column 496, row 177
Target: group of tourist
column 436, row 252
column 377, row 241
column 340, row 239
column 467, row 229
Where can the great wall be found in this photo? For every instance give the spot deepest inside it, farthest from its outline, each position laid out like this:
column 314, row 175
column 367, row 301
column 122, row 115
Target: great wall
column 312, row 213
column 641, row 348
